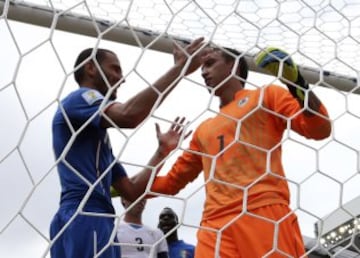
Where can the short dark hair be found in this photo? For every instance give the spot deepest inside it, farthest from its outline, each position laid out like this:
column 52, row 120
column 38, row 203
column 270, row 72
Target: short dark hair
column 230, row 55
column 100, row 56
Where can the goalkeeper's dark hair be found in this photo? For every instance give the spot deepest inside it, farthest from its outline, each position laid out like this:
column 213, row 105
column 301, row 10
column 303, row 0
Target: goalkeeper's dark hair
column 230, row 55
column 85, row 54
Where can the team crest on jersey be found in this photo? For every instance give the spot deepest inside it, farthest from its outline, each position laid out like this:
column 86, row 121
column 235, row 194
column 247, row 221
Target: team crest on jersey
column 243, row 101
column 91, row 96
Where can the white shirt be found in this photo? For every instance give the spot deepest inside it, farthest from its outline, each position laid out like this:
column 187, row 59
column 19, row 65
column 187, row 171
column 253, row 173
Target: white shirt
column 138, row 241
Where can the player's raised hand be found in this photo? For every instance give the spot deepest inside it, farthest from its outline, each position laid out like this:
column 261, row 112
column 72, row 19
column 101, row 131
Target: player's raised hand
column 191, row 53
column 169, row 140
column 270, row 59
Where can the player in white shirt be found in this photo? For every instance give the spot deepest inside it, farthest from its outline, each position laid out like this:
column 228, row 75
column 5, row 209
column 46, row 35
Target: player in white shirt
column 138, row 240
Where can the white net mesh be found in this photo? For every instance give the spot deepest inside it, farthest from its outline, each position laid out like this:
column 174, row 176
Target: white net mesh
column 322, row 36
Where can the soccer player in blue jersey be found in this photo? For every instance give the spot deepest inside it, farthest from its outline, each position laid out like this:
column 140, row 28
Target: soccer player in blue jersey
column 177, row 248
column 83, row 225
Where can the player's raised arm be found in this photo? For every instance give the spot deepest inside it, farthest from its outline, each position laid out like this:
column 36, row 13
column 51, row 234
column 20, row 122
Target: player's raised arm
column 132, row 188
column 136, row 109
column 270, row 60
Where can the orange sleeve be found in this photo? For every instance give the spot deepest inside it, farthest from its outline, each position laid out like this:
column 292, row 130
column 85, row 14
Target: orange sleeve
column 317, row 126
column 186, row 168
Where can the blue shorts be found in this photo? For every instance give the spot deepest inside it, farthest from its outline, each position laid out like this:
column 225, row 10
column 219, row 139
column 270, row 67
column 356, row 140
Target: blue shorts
column 84, row 237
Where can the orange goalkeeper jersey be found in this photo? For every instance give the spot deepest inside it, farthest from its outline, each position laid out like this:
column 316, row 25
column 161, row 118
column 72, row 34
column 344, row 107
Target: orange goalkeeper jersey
column 239, row 151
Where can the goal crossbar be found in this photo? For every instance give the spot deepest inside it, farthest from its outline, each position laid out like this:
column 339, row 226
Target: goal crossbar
column 69, row 22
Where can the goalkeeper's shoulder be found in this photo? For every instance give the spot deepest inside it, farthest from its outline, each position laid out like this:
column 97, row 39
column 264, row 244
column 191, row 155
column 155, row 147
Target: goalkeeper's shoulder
column 275, row 91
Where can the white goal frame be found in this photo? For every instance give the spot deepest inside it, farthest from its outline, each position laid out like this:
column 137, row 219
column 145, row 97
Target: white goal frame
column 82, row 25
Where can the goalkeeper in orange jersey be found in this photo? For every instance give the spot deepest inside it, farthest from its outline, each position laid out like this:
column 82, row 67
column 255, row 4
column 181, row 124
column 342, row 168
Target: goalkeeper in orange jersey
column 246, row 212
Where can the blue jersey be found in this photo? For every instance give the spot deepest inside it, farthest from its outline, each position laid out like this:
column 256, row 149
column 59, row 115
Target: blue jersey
column 85, row 151
column 180, row 249
column 85, row 160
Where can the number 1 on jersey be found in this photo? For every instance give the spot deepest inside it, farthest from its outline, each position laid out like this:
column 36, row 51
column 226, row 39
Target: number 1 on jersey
column 221, row 142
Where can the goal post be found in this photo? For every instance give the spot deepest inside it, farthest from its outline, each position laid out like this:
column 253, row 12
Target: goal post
column 84, row 25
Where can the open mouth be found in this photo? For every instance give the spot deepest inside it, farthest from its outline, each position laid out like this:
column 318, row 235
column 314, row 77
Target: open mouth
column 167, row 227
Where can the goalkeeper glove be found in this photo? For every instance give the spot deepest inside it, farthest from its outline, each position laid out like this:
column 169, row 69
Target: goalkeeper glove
column 270, row 58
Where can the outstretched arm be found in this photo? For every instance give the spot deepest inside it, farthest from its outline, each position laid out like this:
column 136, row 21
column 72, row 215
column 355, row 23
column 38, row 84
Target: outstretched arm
column 135, row 110
column 132, row 188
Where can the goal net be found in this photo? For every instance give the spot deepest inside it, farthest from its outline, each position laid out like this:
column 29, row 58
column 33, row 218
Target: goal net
column 40, row 40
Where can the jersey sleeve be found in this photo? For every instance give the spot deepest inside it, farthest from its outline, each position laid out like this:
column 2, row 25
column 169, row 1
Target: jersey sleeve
column 118, row 171
column 281, row 101
column 83, row 107
column 185, row 169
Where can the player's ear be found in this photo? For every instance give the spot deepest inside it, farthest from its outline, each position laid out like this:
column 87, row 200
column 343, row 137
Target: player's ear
column 90, row 68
